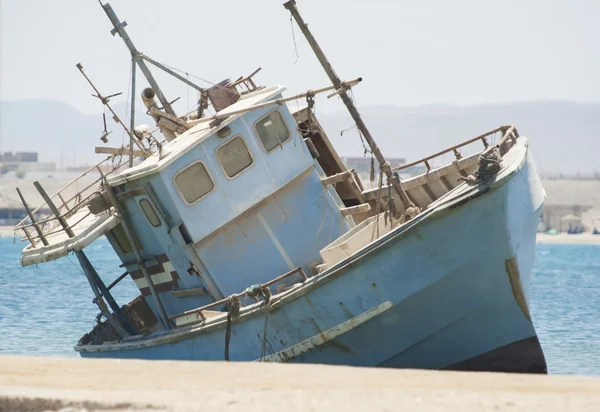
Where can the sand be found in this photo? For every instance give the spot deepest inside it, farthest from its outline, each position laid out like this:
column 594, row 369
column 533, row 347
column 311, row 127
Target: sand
column 195, row 386
column 565, row 238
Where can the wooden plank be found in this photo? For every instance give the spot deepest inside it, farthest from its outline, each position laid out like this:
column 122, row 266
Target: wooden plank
column 354, row 210
column 338, row 177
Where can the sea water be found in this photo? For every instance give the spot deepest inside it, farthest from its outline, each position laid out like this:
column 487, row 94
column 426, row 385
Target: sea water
column 44, row 310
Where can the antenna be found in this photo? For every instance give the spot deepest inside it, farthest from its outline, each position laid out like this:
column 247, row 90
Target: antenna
column 105, row 102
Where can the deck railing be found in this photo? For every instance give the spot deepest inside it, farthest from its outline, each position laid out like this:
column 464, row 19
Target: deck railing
column 238, row 295
column 509, row 134
column 37, row 230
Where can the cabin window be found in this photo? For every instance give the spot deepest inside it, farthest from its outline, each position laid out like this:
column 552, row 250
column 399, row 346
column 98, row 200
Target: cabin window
column 272, row 130
column 149, row 212
column 234, row 156
column 194, row 182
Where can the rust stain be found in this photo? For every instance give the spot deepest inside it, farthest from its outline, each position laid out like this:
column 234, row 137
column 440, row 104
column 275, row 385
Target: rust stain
column 514, row 277
column 338, row 345
column 349, row 314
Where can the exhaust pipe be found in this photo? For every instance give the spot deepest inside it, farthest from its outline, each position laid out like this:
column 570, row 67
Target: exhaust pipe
column 150, row 101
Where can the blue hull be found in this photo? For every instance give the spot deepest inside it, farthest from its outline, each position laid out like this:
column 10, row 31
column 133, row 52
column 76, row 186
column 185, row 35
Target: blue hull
column 449, row 290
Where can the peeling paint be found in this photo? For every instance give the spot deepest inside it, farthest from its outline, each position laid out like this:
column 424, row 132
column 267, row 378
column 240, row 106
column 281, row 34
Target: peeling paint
column 512, row 269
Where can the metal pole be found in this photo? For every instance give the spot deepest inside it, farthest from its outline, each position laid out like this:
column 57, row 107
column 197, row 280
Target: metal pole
column 119, row 27
column 383, row 163
column 132, row 115
column 121, row 324
column 104, row 101
column 54, row 209
column 140, row 261
column 124, row 328
column 171, row 72
column 268, row 103
column 35, row 225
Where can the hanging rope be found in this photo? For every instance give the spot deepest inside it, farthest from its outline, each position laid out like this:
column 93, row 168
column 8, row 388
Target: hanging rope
column 234, row 305
column 232, row 312
column 294, row 39
column 390, row 209
column 377, row 202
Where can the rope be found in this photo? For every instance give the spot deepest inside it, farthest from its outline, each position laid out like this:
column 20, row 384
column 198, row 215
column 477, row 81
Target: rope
column 489, row 166
column 390, row 210
column 232, row 312
column 377, row 202
column 294, row 39
column 253, row 292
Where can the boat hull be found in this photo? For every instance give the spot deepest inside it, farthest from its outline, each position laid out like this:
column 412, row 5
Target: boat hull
column 449, row 290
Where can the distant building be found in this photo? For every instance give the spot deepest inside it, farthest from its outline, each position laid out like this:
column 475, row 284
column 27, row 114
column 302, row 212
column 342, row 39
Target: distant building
column 558, row 215
column 9, row 157
column 25, row 161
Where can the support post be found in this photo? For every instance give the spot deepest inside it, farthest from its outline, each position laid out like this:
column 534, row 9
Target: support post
column 121, row 323
column 385, row 166
column 140, row 261
column 54, row 209
column 132, row 115
column 32, row 218
column 119, row 27
column 101, row 291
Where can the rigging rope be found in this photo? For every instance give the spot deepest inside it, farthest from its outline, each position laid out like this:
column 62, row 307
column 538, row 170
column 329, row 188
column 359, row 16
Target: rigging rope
column 294, row 39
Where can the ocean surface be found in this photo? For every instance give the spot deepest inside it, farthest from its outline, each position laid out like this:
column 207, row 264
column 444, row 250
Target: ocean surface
column 44, row 310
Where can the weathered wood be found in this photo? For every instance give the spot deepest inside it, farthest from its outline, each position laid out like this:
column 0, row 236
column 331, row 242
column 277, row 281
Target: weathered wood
column 355, row 210
column 338, row 177
column 119, row 151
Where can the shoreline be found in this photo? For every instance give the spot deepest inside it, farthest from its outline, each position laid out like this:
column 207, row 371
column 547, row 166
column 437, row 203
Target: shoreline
column 566, row 239
column 543, row 238
column 119, row 384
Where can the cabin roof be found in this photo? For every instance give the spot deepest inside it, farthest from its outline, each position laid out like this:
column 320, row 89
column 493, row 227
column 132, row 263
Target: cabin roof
column 183, row 143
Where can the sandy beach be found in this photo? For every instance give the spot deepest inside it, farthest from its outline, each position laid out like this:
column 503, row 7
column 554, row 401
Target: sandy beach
column 195, row 386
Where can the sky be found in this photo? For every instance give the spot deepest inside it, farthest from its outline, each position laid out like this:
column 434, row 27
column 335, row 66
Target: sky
column 409, row 53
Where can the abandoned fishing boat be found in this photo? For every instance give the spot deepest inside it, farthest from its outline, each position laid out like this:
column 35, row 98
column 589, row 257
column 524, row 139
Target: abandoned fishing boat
column 250, row 240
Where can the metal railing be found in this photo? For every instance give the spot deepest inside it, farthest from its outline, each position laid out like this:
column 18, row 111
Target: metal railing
column 38, row 229
column 509, row 133
column 238, row 295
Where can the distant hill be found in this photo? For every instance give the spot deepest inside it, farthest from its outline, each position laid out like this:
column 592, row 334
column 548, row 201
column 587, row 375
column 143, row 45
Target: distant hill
column 49, row 127
column 565, row 136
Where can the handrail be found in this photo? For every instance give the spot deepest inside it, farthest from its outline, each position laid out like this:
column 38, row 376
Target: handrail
column 237, row 295
column 74, row 203
column 508, row 130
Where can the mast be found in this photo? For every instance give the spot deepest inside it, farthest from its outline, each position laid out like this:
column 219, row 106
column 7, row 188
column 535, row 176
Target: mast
column 119, row 27
column 384, row 165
